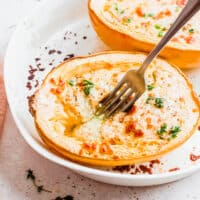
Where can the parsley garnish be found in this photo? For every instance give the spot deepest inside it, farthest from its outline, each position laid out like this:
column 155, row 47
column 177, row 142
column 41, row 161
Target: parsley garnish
column 116, row 7
column 177, row 9
column 162, row 130
column 160, row 33
column 128, row 20
column 87, row 87
column 148, row 15
column 157, row 26
column 71, row 82
column 174, row 131
column 122, row 12
column 159, row 103
column 31, row 176
column 149, row 99
column 191, row 30
column 150, row 87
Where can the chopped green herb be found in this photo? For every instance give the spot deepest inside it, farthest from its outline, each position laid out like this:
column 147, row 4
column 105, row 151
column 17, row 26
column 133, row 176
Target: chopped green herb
column 86, row 82
column 159, row 103
column 150, row 15
column 157, row 26
column 122, row 12
column 116, row 7
column 87, row 87
column 191, row 30
column 149, row 99
column 177, row 9
column 162, row 130
column 71, row 82
column 128, row 20
column 160, row 33
column 174, row 131
column 150, row 87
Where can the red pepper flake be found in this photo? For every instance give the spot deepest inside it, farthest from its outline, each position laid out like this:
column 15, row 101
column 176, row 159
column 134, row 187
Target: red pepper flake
column 153, row 162
column 52, row 80
column 194, row 157
column 133, row 110
column 28, row 85
column 31, row 77
column 105, row 149
column 138, row 133
column 175, row 39
column 37, row 59
column 30, row 66
column 58, row 91
column 136, row 171
column 162, row 14
column 199, row 128
column 168, row 13
column 145, row 24
column 139, row 12
column 180, row 2
column 31, row 71
column 121, row 169
column 174, row 169
column 145, row 169
column 36, row 83
column 61, row 83
column 189, row 39
column 59, row 52
column 52, row 51
column 41, row 69
column 53, row 90
column 68, row 56
column 130, row 127
column 89, row 147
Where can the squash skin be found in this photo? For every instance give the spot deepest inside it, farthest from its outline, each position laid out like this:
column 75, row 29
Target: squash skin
column 100, row 162
column 116, row 40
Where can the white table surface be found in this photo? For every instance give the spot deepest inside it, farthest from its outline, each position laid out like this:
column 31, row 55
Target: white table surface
column 16, row 156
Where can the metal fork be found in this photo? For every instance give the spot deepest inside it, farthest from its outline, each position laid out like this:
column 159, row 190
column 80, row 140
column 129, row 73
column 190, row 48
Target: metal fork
column 133, row 81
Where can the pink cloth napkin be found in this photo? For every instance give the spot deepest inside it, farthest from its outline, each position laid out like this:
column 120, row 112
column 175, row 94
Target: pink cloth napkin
column 3, row 103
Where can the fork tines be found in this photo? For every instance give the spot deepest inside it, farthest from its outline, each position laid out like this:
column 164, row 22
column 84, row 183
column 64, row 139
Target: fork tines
column 118, row 100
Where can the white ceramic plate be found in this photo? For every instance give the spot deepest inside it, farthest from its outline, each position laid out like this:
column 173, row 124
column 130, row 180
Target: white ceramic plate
column 52, row 32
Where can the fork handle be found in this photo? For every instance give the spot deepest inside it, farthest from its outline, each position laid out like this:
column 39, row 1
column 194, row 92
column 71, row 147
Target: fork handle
column 187, row 13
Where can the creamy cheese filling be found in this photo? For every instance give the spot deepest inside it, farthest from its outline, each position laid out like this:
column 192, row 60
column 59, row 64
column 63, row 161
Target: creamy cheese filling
column 159, row 117
column 150, row 19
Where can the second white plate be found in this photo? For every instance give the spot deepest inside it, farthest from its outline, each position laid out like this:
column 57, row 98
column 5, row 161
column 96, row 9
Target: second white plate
column 58, row 30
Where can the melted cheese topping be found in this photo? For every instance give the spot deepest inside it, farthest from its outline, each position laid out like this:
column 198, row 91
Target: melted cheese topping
column 162, row 117
column 149, row 20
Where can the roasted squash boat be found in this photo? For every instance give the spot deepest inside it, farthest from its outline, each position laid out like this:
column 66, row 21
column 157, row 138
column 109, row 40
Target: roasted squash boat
column 163, row 118
column 140, row 24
